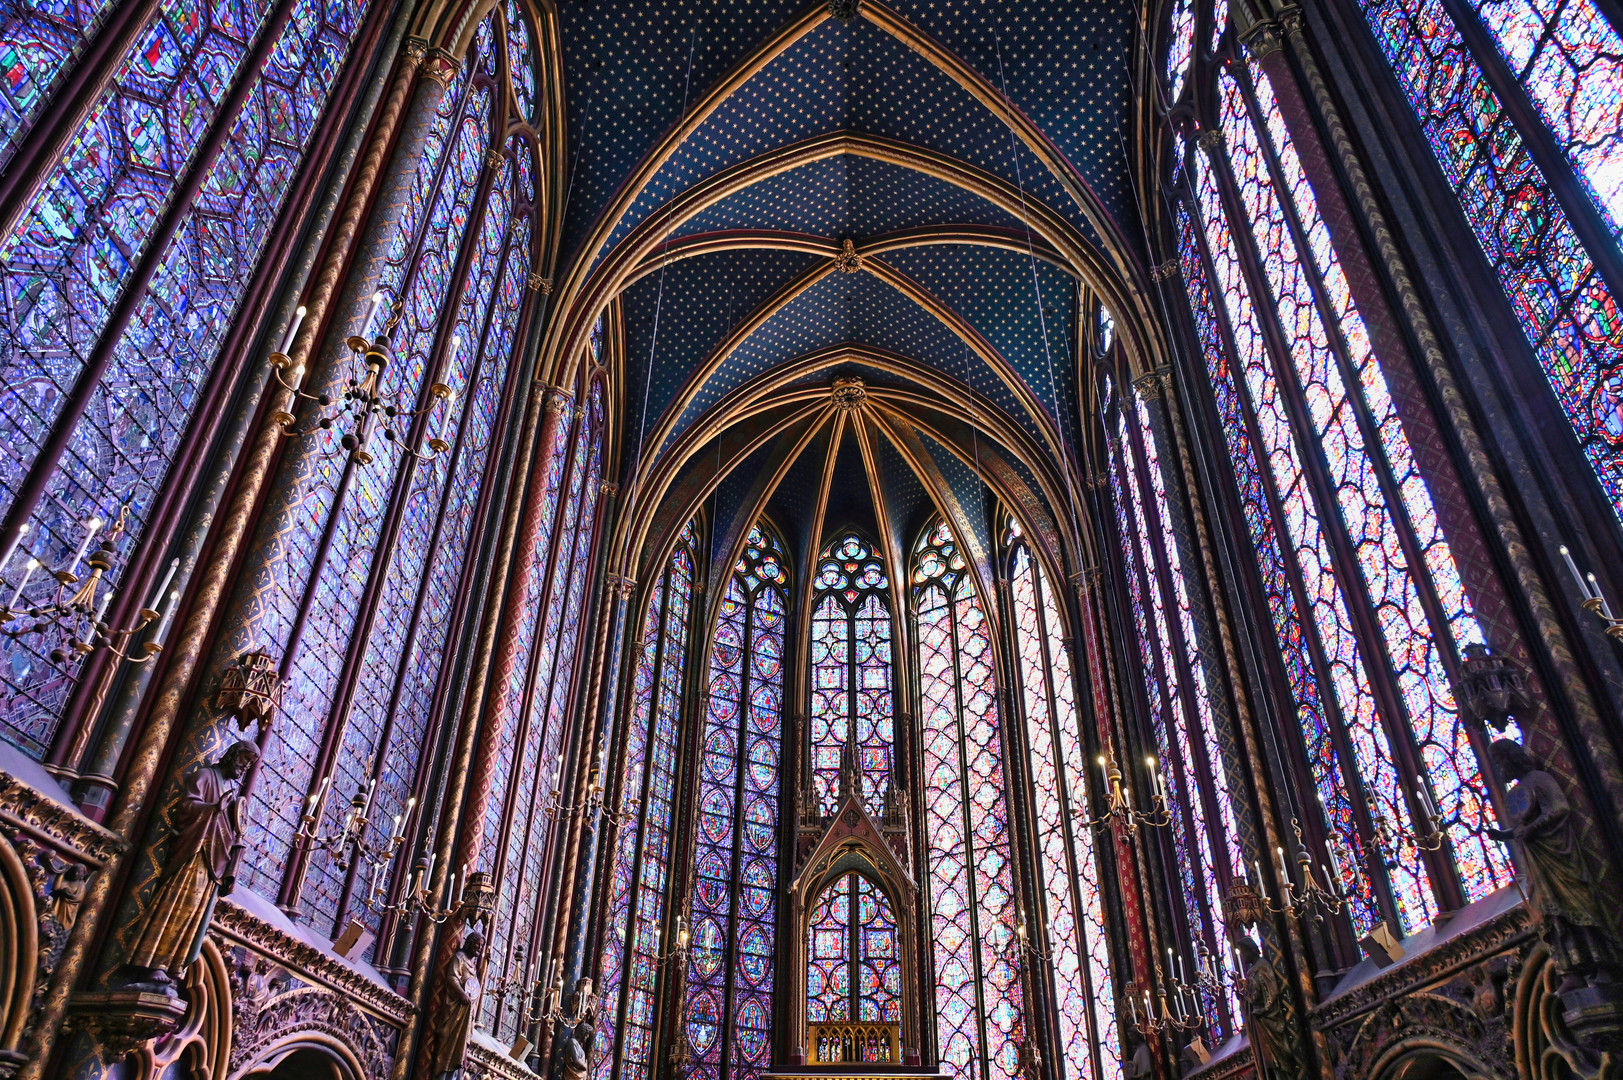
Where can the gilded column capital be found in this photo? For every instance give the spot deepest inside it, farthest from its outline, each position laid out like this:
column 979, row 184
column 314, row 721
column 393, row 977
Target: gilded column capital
column 441, row 66
column 540, row 284
column 494, row 158
column 554, row 399
column 609, row 488
column 414, row 50
column 620, row 584
column 1149, row 385
column 1169, row 269
column 1262, row 40
column 1209, row 142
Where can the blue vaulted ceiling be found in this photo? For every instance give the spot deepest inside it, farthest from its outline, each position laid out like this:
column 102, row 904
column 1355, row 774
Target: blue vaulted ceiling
column 906, row 105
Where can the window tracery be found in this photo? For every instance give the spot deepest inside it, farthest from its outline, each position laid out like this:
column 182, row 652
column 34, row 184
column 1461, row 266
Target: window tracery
column 640, row 870
column 973, row 904
column 123, row 394
column 367, row 587
column 734, row 898
column 853, row 703
column 1366, row 558
column 1071, row 892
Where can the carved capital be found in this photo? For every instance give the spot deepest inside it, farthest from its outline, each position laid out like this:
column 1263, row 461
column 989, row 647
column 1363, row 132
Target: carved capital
column 440, row 66
column 1148, row 386
column 494, row 158
column 1209, row 142
column 620, row 584
column 554, row 400
column 414, row 51
column 1171, row 268
column 1262, row 40
column 540, row 284
column 609, row 488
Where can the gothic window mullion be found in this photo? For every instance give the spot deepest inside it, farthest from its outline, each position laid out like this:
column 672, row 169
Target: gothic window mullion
column 1599, row 235
column 1374, row 445
column 1208, row 827
column 402, row 667
column 522, row 822
column 735, row 884
column 634, row 905
column 1351, row 783
column 334, row 511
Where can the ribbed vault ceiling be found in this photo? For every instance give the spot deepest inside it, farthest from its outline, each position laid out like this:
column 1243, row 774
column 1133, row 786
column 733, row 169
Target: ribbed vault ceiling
column 773, row 199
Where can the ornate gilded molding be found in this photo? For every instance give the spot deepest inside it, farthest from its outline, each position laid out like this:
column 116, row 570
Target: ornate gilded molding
column 1169, row 269
column 441, row 66
column 620, row 584
column 609, row 488
column 24, row 810
column 849, row 392
column 554, row 400
column 234, row 925
column 487, row 1063
column 414, row 50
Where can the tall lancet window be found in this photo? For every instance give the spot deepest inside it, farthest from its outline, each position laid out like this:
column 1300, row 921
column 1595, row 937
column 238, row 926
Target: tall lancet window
column 735, row 873
column 516, row 826
column 641, row 870
column 373, row 567
column 852, row 706
column 1554, row 245
column 1204, row 837
column 1074, row 909
column 120, row 281
column 853, row 966
column 980, row 1010
column 1359, row 559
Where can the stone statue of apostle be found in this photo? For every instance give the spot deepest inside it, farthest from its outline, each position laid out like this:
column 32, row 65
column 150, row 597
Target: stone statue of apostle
column 208, row 829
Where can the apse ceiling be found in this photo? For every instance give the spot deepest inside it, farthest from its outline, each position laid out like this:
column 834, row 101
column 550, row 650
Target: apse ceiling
column 922, row 200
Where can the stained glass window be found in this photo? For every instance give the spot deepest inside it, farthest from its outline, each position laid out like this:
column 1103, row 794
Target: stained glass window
column 735, row 865
column 640, row 872
column 1072, row 924
column 853, row 962
column 519, row 858
column 78, row 243
column 1179, row 698
column 1362, row 530
column 38, row 44
column 363, row 601
column 852, row 707
column 1566, row 58
column 973, row 905
column 1180, row 47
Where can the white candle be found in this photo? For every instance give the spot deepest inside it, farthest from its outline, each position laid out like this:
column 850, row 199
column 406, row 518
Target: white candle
column 292, row 329
column 1262, row 888
column 1284, row 869
column 1594, row 594
column 91, row 528
column 456, row 886
column 1425, row 802
column 371, row 314
column 168, row 614
column 157, row 594
column 371, row 786
column 28, row 572
column 1104, row 770
column 428, row 871
column 376, row 885
column 1576, row 576
column 22, row 531
column 1331, row 880
column 298, row 378
column 101, row 608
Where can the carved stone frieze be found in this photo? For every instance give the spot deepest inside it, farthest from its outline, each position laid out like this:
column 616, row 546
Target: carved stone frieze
column 51, row 852
column 486, row 1062
column 270, row 1005
column 1452, row 1003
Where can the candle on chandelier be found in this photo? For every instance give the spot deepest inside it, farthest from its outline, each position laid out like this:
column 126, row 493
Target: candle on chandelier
column 1159, row 780
column 22, row 531
column 1594, row 594
column 371, row 314
column 157, row 594
column 1262, row 888
column 168, row 614
column 91, row 528
column 28, row 573
column 1425, row 802
column 292, row 330
column 1583, row 586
